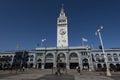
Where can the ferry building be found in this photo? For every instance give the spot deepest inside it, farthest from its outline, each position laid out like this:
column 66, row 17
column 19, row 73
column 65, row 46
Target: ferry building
column 69, row 57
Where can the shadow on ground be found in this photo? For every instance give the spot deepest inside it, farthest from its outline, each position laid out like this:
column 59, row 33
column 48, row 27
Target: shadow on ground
column 54, row 77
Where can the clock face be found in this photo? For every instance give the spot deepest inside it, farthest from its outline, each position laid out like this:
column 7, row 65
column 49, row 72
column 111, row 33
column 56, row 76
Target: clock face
column 62, row 31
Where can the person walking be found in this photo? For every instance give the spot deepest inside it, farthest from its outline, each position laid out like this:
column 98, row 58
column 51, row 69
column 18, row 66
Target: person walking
column 78, row 69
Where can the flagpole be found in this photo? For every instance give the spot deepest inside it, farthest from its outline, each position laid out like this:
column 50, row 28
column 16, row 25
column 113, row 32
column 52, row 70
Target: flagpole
column 41, row 44
column 84, row 40
column 82, row 43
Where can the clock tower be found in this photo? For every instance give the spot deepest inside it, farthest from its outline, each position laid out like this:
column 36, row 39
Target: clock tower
column 62, row 30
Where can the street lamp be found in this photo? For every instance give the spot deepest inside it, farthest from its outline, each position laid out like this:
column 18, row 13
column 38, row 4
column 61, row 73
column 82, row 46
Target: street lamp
column 105, row 55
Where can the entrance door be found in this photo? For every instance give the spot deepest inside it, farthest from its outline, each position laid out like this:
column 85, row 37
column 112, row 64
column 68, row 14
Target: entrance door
column 49, row 65
column 85, row 64
column 39, row 65
column 73, row 65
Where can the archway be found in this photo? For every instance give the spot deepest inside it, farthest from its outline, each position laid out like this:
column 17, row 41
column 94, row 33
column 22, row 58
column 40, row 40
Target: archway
column 49, row 61
column 85, row 64
column 112, row 67
column 104, row 67
column 73, row 58
column 118, row 67
column 99, row 67
column 61, row 60
column 39, row 63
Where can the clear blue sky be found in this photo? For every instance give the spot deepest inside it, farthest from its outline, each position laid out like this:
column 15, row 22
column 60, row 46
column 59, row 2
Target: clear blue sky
column 26, row 22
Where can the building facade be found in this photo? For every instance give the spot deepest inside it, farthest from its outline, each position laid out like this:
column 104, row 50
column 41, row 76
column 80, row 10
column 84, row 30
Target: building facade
column 68, row 58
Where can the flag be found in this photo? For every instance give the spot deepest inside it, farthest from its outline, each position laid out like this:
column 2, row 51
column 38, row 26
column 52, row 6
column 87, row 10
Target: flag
column 43, row 40
column 84, row 39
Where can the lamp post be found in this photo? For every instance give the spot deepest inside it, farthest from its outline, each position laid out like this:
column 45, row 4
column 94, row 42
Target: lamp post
column 105, row 55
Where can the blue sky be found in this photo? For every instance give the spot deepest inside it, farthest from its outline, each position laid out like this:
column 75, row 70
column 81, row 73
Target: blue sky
column 26, row 22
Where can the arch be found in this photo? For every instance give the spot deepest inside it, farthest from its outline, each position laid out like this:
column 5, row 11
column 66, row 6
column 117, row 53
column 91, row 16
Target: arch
column 85, row 60
column 39, row 60
column 61, row 59
column 118, row 67
column 104, row 67
column 73, row 55
column 102, row 55
column 49, row 55
column 115, row 57
column 112, row 67
column 74, row 60
column 97, row 55
column 85, row 64
column 39, row 63
column 11, row 56
column 115, row 54
column 109, row 57
column 99, row 67
column 49, row 60
column 61, row 56
column 31, row 56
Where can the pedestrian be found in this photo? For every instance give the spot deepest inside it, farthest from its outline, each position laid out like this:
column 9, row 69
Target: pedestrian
column 79, row 69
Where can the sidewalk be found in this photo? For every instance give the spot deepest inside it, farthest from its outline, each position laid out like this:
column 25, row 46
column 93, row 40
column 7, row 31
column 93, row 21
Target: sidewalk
column 86, row 75
column 30, row 74
column 48, row 74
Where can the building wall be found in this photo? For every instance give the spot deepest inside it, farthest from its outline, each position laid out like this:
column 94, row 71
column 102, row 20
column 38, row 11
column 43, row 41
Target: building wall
column 70, row 58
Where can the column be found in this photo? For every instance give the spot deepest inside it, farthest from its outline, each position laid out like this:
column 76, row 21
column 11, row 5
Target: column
column 90, row 62
column 80, row 60
column 43, row 62
column 55, row 59
column 67, row 61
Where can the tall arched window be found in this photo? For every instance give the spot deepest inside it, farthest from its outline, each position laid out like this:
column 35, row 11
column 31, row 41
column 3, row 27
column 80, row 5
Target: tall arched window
column 97, row 57
column 102, row 58
column 115, row 57
column 109, row 57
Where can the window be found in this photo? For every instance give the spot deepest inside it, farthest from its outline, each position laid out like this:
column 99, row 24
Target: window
column 31, row 59
column 97, row 57
column 31, row 56
column 109, row 57
column 62, row 20
column 62, row 25
column 115, row 57
column 40, row 54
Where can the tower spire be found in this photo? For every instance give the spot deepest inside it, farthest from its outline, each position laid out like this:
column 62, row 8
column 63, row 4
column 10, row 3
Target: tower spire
column 62, row 13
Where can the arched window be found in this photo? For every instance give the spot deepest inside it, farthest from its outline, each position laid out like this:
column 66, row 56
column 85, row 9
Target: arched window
column 11, row 56
column 109, row 57
column 97, row 57
column 31, row 56
column 102, row 58
column 115, row 57
column 49, row 55
column 73, row 56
